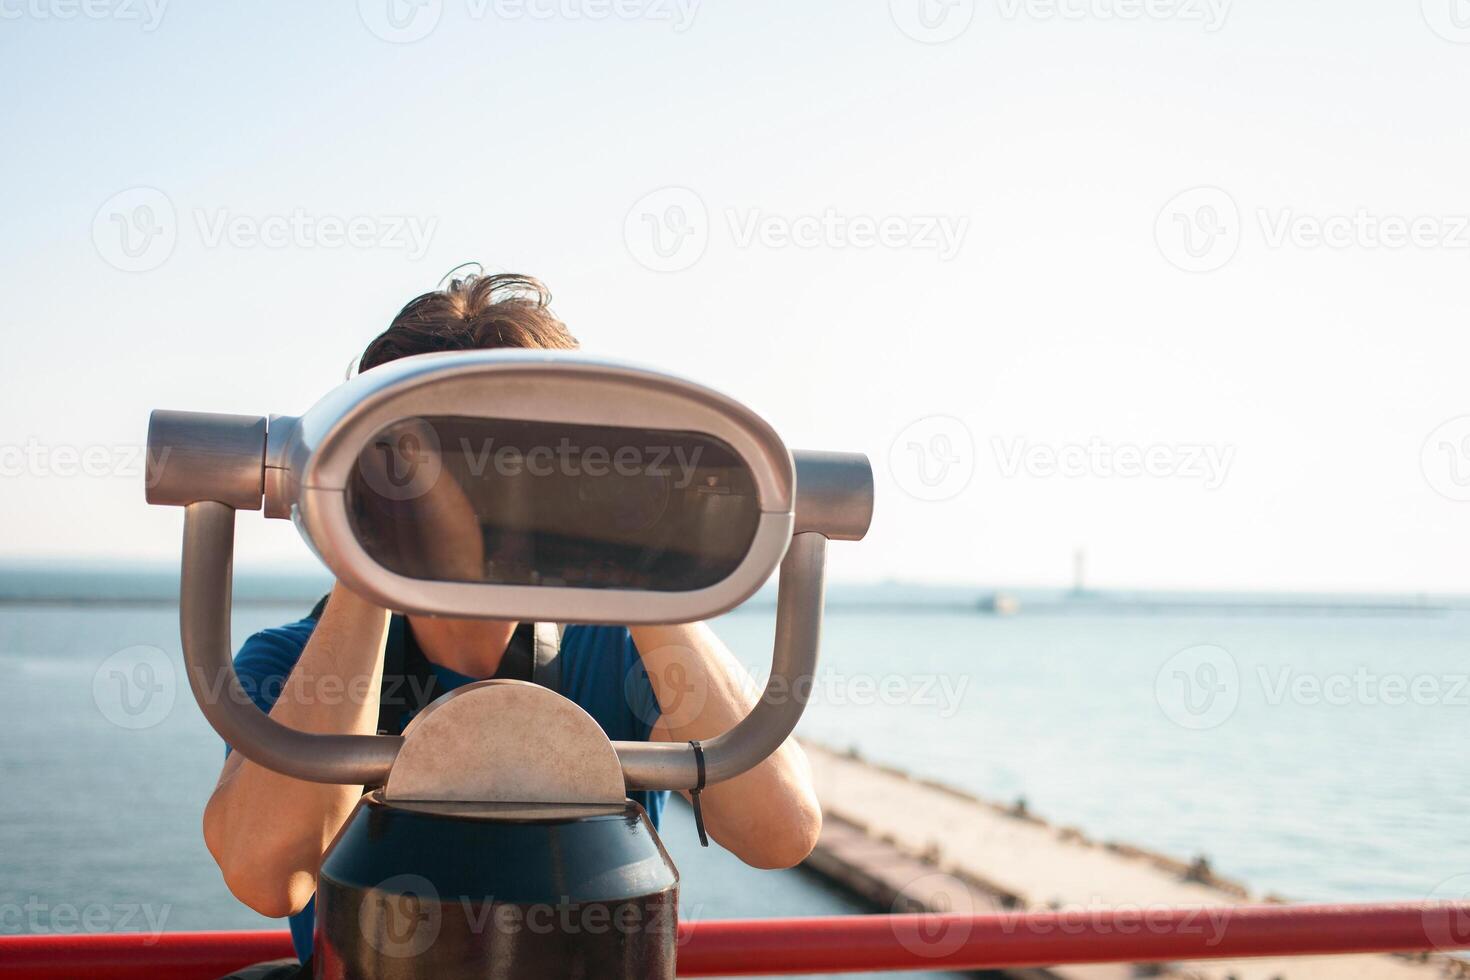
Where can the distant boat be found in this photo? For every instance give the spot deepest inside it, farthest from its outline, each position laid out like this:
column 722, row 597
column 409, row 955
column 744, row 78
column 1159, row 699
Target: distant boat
column 1000, row 603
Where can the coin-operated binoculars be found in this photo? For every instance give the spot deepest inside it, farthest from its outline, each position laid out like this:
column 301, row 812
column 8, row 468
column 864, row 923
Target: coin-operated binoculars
column 496, row 838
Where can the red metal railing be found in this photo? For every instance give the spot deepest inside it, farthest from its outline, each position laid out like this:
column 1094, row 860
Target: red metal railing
column 894, row 942
column 853, row 943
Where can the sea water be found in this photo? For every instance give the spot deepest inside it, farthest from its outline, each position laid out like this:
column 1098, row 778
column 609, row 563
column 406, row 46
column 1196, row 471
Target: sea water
column 1315, row 757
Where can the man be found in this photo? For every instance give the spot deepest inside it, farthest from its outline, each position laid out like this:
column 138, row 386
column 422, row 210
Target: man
column 675, row 683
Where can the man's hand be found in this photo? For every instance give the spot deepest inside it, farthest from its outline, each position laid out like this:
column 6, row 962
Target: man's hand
column 769, row 816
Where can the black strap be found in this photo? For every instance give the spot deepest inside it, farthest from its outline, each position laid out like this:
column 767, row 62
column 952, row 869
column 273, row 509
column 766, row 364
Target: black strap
column 519, row 661
column 694, row 794
column 409, row 681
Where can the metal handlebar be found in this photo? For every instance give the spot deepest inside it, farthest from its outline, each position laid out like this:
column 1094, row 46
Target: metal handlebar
column 670, row 765
column 204, row 625
column 204, row 619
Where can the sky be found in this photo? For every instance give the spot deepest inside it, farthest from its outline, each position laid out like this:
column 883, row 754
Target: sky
column 1182, row 283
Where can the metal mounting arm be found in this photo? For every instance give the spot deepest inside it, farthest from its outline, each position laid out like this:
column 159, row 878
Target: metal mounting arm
column 672, row 765
column 204, row 625
column 204, row 621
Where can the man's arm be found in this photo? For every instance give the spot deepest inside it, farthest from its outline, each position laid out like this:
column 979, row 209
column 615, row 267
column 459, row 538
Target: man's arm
column 267, row 832
column 768, row 816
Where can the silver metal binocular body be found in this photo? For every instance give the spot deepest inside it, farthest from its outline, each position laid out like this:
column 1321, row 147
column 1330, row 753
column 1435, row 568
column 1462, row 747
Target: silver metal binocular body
column 529, row 486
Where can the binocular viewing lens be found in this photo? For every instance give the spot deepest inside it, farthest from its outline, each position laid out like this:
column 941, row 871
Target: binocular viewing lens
column 513, row 502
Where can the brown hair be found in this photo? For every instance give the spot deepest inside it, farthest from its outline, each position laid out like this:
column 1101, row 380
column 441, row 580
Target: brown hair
column 476, row 312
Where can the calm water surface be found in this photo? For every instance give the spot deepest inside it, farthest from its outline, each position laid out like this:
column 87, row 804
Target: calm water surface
column 1357, row 792
column 1330, row 763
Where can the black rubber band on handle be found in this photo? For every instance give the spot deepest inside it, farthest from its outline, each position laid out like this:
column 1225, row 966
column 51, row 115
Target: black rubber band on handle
column 694, row 793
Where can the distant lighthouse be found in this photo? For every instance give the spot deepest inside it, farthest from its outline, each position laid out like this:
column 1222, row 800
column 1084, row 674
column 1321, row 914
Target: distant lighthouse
column 1079, row 571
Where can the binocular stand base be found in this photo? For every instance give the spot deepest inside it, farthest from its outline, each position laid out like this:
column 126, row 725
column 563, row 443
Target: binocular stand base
column 451, row 890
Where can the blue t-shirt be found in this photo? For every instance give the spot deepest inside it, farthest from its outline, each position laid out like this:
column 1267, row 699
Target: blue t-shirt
column 600, row 670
